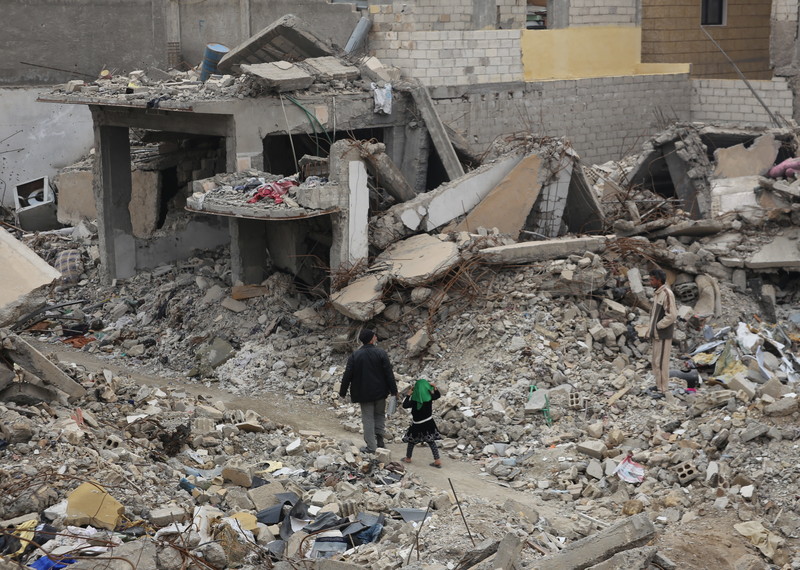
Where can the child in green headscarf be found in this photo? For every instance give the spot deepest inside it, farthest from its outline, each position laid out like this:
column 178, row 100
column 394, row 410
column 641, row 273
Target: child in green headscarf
column 423, row 428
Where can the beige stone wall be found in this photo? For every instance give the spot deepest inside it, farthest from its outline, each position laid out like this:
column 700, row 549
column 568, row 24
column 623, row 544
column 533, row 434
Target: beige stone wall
column 453, row 57
column 671, row 33
column 730, row 101
column 443, row 15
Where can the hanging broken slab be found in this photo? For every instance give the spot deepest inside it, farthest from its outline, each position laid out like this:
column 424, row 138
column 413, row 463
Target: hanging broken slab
column 757, row 159
column 507, row 205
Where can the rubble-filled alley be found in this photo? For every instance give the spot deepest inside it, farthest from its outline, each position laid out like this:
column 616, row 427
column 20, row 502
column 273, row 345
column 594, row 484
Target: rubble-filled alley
column 178, row 306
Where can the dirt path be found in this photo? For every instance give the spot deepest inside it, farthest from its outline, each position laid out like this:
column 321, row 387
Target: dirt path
column 467, row 478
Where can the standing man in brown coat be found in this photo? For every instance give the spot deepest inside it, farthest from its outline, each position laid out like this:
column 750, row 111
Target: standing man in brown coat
column 663, row 315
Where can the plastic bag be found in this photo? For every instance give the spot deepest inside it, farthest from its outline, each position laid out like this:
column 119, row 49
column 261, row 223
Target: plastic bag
column 630, row 471
column 383, row 98
column 391, row 405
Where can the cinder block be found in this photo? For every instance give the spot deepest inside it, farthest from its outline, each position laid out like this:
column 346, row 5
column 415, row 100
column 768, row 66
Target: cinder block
column 687, row 472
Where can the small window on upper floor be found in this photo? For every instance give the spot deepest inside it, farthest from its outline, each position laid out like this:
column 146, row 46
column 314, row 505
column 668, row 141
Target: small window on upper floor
column 713, row 13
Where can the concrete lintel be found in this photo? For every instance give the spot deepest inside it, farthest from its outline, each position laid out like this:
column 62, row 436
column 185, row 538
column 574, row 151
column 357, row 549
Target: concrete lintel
column 530, row 251
column 213, row 124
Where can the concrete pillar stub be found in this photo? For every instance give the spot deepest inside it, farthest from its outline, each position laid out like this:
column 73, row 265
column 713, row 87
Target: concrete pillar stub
column 249, row 258
column 112, row 191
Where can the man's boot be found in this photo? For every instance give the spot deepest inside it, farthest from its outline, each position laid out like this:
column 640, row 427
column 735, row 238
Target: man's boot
column 380, row 441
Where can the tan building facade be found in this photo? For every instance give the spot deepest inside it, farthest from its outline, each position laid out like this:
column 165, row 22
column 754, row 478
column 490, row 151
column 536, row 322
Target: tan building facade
column 672, row 33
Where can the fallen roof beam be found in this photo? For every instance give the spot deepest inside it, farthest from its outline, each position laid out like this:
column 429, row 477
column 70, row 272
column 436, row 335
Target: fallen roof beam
column 437, row 131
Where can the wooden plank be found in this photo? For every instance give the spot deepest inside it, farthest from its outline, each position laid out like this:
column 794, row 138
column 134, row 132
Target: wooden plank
column 240, row 292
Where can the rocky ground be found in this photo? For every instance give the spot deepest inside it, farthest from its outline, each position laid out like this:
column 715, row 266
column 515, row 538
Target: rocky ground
column 712, row 460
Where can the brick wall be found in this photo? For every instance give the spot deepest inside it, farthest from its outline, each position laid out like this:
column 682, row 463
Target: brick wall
column 605, row 118
column 453, row 57
column 671, row 33
column 603, row 12
column 730, row 101
column 446, row 15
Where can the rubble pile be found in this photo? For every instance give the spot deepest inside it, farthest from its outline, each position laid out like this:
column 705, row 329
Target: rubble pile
column 562, row 401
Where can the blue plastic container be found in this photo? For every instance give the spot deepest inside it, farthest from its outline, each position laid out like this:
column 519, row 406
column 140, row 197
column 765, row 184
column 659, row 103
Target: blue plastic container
column 211, row 57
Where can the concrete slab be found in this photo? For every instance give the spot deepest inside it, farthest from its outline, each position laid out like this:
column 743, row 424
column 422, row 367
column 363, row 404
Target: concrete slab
column 361, row 299
column 757, row 159
column 329, row 67
column 288, row 38
column 508, row 204
column 280, row 78
column 734, row 195
column 23, row 272
column 419, row 259
column 530, row 251
column 620, row 536
column 91, row 504
column 782, row 252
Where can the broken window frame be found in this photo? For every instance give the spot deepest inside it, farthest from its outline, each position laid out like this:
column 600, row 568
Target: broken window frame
column 713, row 12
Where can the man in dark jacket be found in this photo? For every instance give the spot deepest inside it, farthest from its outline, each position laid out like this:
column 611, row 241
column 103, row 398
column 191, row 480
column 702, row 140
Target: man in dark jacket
column 369, row 377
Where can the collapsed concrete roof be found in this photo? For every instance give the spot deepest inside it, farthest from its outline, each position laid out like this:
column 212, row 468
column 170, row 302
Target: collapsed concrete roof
column 287, row 39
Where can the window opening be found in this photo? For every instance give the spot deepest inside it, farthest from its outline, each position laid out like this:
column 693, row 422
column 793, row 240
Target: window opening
column 713, row 13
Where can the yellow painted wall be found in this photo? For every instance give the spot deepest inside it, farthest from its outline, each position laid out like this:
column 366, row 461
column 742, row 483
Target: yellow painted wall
column 671, row 33
column 587, row 51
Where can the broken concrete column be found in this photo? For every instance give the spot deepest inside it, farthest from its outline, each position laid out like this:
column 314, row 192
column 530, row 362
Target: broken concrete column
column 530, row 251
column 350, row 228
column 622, row 535
column 546, row 217
column 387, row 174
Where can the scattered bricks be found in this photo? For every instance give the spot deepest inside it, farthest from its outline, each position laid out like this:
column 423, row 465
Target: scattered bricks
column 521, row 510
column 295, row 448
column 575, row 401
column 383, row 455
column 632, row 507
column 237, row 473
column 782, row 407
column 237, row 498
column 753, row 432
column 203, row 411
column 323, row 497
column 592, row 448
column 598, row 332
column 595, row 430
column 614, row 309
column 264, row 496
column 687, row 472
column 774, row 388
column 16, row 428
column 168, row 515
column 720, row 441
column 622, row 535
column 594, row 469
column 740, row 384
column 592, row 491
column 712, row 473
column 203, row 426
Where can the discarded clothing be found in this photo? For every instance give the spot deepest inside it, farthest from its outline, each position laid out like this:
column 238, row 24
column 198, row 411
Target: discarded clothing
column 274, row 190
column 786, row 169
